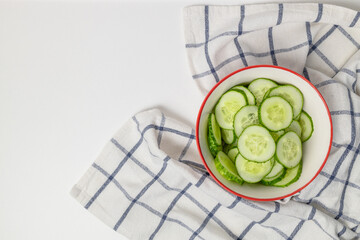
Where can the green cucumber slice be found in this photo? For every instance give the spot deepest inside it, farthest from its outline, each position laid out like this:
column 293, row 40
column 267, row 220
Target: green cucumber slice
column 271, row 181
column 246, row 116
column 250, row 97
column 259, row 87
column 275, row 113
column 232, row 153
column 256, row 133
column 227, row 106
column 291, row 94
column 294, row 126
column 250, row 171
column 227, row 147
column 307, row 126
column 267, row 94
column 214, row 129
column 214, row 135
column 228, row 136
column 291, row 176
column 289, row 149
column 256, row 144
column 276, row 170
column 277, row 134
column 227, row 168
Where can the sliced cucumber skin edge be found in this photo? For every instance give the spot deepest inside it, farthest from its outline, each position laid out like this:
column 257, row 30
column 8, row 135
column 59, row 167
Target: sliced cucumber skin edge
column 225, row 137
column 295, row 126
column 276, row 163
column 276, row 135
column 277, row 179
column 266, row 95
column 228, row 147
column 214, row 147
column 224, row 172
column 247, row 93
column 312, row 126
column 215, row 129
column 298, row 174
column 232, row 153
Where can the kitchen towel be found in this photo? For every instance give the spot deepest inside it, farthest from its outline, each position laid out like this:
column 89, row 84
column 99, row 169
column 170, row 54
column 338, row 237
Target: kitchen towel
column 149, row 181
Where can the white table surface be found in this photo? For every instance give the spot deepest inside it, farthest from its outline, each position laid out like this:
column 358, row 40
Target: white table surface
column 71, row 73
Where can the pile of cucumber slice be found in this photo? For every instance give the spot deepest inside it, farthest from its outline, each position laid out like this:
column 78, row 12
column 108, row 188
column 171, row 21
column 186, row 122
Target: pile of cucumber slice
column 256, row 133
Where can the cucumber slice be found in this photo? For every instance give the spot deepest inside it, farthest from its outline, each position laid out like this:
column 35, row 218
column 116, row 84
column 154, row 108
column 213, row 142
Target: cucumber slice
column 275, row 113
column 232, row 153
column 294, row 126
column 267, row 93
column 250, row 97
column 246, row 116
column 291, row 94
column 214, row 135
column 227, row 106
column 307, row 127
column 214, row 129
column 228, row 136
column 276, row 170
column 277, row 134
column 227, row 147
column 227, row 168
column 256, row 133
column 259, row 87
column 289, row 149
column 252, row 172
column 291, row 176
column 256, row 144
column 271, row 181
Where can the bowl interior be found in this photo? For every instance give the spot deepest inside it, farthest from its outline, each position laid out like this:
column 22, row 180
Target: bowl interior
column 315, row 150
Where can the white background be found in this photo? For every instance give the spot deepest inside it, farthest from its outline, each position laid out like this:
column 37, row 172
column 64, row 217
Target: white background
column 71, row 73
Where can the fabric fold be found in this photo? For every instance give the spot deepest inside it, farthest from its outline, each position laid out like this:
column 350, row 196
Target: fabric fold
column 222, row 39
column 149, row 183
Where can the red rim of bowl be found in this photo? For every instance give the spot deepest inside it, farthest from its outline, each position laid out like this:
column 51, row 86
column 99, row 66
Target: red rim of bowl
column 203, row 159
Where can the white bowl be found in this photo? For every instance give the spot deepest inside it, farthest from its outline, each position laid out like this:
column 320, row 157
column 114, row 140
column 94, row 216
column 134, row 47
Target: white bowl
column 315, row 151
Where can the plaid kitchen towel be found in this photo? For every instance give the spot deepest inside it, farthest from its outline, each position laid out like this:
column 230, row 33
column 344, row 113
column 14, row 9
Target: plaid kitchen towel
column 149, row 182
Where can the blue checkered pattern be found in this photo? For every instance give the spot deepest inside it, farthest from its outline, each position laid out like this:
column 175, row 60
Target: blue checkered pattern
column 149, row 182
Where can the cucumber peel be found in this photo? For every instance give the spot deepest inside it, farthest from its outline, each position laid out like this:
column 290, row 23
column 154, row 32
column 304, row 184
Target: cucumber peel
column 227, row 168
column 214, row 135
column 307, row 126
column 271, row 181
column 291, row 176
column 232, row 153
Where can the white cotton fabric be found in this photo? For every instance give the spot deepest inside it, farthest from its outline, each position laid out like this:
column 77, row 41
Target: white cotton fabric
column 149, row 181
